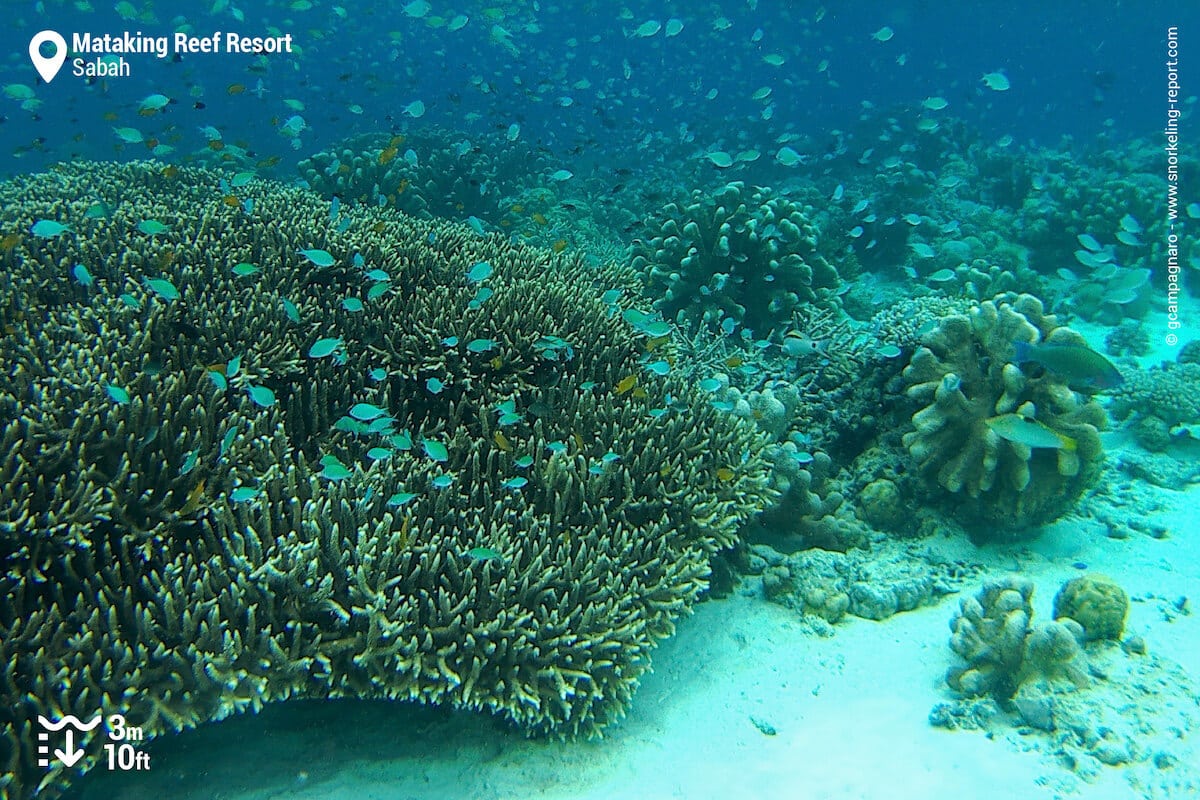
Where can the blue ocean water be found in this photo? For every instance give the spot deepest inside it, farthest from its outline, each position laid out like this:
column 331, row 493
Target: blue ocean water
column 581, row 85
column 960, row 182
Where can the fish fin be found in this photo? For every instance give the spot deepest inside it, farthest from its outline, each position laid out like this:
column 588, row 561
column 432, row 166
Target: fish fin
column 1068, row 443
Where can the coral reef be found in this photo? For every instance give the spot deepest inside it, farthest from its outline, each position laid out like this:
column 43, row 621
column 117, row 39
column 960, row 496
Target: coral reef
column 1164, row 470
column 812, row 511
column 826, row 586
column 1125, row 507
column 904, row 322
column 881, row 504
column 1189, row 353
column 1133, row 722
column 994, row 635
column 1154, row 401
column 989, row 635
column 425, row 174
column 1073, row 197
column 963, row 379
column 1128, row 338
column 1097, row 603
column 747, row 254
column 242, row 464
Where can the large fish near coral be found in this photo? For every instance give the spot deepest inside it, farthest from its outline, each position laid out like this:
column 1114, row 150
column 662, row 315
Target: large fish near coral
column 1081, row 366
column 1029, row 432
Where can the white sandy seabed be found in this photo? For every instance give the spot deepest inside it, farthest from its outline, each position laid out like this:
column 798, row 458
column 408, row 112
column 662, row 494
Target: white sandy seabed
column 850, row 711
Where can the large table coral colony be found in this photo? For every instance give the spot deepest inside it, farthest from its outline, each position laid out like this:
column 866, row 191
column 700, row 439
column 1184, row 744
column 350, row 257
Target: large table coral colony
column 229, row 485
column 258, row 445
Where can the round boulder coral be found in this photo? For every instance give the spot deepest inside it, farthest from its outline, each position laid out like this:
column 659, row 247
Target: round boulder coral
column 751, row 255
column 1097, row 603
column 881, row 505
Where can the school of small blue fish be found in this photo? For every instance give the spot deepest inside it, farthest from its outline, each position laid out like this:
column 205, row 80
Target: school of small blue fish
column 615, row 110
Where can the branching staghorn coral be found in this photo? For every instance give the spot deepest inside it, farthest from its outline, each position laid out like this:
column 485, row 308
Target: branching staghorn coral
column 425, row 174
column 229, row 487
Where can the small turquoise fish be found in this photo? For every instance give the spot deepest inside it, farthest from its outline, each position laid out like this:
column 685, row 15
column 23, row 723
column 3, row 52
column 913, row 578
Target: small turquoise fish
column 81, row 274
column 262, row 396
column 400, row 498
column 48, row 229
column 319, row 258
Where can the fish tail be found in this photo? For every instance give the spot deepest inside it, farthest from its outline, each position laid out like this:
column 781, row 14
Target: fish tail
column 1022, row 352
column 1068, row 443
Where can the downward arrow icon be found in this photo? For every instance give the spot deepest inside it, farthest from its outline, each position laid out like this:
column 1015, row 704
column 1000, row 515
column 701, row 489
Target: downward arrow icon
column 71, row 755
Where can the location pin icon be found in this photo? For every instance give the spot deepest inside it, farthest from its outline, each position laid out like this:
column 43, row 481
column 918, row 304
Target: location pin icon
column 48, row 67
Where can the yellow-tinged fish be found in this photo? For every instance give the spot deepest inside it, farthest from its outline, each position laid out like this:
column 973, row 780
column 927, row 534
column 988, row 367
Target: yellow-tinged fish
column 725, row 474
column 404, row 532
column 193, row 499
column 502, row 441
column 9, row 242
column 1029, row 432
column 657, row 342
column 625, row 384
